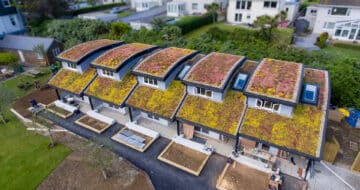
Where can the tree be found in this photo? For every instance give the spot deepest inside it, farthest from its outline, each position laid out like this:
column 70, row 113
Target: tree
column 212, row 9
column 40, row 49
column 158, row 24
column 99, row 157
column 118, row 29
column 8, row 59
column 6, row 96
column 266, row 24
column 170, row 33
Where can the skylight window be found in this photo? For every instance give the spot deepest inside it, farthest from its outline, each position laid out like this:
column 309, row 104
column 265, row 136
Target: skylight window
column 310, row 94
column 240, row 81
column 184, row 71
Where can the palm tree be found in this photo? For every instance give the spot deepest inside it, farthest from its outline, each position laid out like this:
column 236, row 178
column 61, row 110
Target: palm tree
column 212, row 9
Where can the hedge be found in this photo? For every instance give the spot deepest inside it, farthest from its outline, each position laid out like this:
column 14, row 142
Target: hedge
column 97, row 8
column 347, row 46
column 190, row 23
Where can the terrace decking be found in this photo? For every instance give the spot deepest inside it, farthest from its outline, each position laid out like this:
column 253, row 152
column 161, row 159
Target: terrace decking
column 184, row 158
column 72, row 81
column 115, row 92
column 161, row 63
column 76, row 53
column 214, row 70
column 276, row 79
column 115, row 58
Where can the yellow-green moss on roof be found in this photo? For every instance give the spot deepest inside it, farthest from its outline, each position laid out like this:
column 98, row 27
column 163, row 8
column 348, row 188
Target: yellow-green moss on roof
column 72, row 81
column 301, row 133
column 163, row 103
column 221, row 116
column 110, row 90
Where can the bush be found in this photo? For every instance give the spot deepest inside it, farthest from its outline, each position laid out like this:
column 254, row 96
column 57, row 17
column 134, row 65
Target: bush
column 8, row 58
column 97, row 8
column 347, row 46
column 190, row 23
column 321, row 40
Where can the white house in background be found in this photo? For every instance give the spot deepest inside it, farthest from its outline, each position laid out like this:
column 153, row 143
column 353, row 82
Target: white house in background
column 143, row 5
column 340, row 18
column 111, row 1
column 178, row 8
column 11, row 20
column 247, row 11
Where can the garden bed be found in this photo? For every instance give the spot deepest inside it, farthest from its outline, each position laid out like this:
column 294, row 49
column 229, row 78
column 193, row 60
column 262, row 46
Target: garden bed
column 237, row 176
column 59, row 111
column 92, row 124
column 148, row 140
column 184, row 158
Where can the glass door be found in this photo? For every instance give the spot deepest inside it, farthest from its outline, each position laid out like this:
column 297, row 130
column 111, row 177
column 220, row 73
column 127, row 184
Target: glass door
column 352, row 33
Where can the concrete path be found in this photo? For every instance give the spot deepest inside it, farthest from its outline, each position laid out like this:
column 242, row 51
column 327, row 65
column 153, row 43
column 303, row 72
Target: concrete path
column 306, row 42
column 144, row 14
column 163, row 176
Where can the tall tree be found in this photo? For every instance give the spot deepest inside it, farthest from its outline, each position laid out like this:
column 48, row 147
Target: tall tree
column 118, row 29
column 267, row 24
column 213, row 9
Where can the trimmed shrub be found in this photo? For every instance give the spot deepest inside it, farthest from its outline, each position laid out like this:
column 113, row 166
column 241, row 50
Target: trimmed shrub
column 190, row 23
column 347, row 46
column 97, row 8
column 321, row 40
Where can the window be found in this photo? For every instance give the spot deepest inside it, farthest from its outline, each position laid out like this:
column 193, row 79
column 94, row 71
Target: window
column 238, row 17
column 338, row 32
column 12, row 20
column 205, row 130
column 56, row 51
column 345, row 33
column 248, row 17
column 287, row 9
column 329, row 25
column 154, row 117
column 108, row 73
column 40, row 55
column 71, row 65
column 243, row 4
column 201, row 130
column 270, row 4
column 203, row 92
column 267, row 105
column 150, row 81
column 313, row 11
column 194, row 6
column 339, row 11
column 265, row 147
column 6, row 3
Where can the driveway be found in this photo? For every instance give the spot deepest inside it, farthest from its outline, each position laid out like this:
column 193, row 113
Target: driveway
column 163, row 176
column 306, row 42
column 144, row 14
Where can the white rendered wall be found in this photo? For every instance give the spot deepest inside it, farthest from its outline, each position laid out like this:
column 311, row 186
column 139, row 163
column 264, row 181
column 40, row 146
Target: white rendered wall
column 216, row 96
column 161, row 120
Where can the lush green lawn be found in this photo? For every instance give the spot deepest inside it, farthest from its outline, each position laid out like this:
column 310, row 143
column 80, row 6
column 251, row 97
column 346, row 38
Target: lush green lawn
column 125, row 13
column 204, row 29
column 342, row 52
column 25, row 159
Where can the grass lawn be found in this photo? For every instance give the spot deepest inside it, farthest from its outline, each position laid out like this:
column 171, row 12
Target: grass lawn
column 201, row 30
column 25, row 159
column 342, row 52
column 125, row 13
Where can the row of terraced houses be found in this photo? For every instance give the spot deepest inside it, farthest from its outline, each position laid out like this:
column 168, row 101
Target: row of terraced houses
column 269, row 114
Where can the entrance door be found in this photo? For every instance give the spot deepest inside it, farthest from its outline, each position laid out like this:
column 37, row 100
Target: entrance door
column 188, row 131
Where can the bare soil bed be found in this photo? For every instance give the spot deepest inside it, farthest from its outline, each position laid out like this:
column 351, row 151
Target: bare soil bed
column 75, row 172
column 93, row 123
column 242, row 177
column 349, row 140
column 185, row 156
column 44, row 96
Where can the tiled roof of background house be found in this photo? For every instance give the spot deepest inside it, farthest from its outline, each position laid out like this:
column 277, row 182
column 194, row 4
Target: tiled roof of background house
column 214, row 70
column 163, row 103
column 79, row 51
column 114, row 58
column 340, row 2
column 26, row 43
column 276, row 79
column 303, row 132
column 160, row 63
column 72, row 81
column 112, row 91
column 220, row 116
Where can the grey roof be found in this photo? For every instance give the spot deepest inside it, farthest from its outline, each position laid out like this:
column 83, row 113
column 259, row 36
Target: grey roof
column 27, row 43
column 340, row 2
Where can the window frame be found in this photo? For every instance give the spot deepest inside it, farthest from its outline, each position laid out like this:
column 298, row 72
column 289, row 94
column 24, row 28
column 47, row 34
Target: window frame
column 334, row 11
column 203, row 92
column 151, row 81
column 108, row 73
column 267, row 105
column 71, row 65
